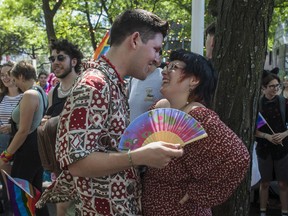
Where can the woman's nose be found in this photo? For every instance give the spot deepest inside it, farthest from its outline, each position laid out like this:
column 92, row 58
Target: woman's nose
column 165, row 70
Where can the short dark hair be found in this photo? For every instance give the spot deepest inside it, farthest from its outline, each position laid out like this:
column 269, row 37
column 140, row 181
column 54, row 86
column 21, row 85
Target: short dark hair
column 69, row 49
column 268, row 76
column 202, row 69
column 211, row 29
column 25, row 69
column 42, row 73
column 137, row 20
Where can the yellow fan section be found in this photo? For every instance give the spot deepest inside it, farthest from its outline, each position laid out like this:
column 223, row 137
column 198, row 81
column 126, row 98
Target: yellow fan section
column 170, row 137
column 165, row 136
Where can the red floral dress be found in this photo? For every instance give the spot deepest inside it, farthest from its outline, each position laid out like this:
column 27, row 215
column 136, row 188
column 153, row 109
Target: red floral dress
column 93, row 119
column 209, row 171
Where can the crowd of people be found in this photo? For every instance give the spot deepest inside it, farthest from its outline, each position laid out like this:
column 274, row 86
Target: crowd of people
column 92, row 105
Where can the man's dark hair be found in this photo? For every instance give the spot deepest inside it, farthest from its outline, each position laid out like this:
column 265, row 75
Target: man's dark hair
column 211, row 29
column 69, row 49
column 137, row 20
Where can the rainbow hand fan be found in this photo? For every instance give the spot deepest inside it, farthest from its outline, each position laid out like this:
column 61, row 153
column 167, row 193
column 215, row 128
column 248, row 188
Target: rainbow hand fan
column 163, row 124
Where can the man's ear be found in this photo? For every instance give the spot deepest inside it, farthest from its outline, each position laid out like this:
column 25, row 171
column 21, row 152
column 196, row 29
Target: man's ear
column 73, row 62
column 135, row 39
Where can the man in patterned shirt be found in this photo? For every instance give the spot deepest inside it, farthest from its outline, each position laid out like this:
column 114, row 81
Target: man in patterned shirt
column 102, row 180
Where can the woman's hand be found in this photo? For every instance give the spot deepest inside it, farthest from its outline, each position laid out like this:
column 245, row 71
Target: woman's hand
column 5, row 128
column 156, row 154
column 2, row 163
column 44, row 120
column 278, row 137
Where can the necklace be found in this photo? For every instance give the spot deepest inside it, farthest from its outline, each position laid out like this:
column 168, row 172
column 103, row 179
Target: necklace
column 65, row 93
column 112, row 66
column 184, row 107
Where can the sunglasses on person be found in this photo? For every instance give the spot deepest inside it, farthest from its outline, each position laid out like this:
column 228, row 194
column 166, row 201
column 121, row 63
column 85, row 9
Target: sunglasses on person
column 59, row 58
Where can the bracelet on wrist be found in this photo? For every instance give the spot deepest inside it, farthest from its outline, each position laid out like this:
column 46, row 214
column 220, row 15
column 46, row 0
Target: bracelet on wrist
column 130, row 158
column 6, row 156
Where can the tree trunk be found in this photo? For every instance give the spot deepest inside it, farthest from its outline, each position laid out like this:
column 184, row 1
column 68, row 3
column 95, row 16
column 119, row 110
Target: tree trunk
column 91, row 29
column 49, row 17
column 239, row 55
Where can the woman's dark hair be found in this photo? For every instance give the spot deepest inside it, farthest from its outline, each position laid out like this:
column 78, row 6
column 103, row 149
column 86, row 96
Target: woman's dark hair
column 69, row 49
column 268, row 76
column 25, row 69
column 202, row 69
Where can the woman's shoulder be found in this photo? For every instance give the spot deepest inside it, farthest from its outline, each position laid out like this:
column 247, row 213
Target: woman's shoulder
column 201, row 113
column 163, row 103
column 31, row 94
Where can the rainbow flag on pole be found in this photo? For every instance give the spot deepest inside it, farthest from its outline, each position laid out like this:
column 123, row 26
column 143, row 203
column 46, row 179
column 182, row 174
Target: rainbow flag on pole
column 23, row 196
column 260, row 121
column 102, row 47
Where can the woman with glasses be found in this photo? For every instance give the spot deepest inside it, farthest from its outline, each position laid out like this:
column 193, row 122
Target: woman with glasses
column 9, row 98
column 272, row 141
column 211, row 168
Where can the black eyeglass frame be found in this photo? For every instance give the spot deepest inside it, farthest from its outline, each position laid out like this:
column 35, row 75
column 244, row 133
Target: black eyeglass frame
column 59, row 58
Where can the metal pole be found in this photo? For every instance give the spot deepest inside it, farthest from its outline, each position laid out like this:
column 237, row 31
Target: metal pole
column 197, row 29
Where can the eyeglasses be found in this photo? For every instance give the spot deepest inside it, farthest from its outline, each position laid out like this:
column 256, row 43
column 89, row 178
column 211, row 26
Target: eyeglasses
column 173, row 66
column 274, row 86
column 59, row 58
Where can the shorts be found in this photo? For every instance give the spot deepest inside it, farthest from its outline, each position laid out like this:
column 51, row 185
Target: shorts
column 273, row 169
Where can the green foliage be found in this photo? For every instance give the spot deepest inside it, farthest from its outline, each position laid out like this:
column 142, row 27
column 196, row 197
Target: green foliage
column 23, row 21
column 280, row 15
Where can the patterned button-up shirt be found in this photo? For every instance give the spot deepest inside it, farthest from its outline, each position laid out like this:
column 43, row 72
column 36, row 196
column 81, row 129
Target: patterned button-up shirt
column 93, row 119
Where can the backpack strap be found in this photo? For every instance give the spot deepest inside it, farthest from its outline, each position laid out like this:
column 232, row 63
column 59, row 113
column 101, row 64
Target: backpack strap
column 45, row 104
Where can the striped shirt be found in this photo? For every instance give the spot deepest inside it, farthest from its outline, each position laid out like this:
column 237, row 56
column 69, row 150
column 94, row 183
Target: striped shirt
column 7, row 105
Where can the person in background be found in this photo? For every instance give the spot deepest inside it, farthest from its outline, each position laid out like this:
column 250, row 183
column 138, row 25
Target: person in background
column 142, row 94
column 42, row 81
column 272, row 142
column 211, row 168
column 66, row 70
column 210, row 40
column 102, row 180
column 10, row 96
column 26, row 117
column 285, row 87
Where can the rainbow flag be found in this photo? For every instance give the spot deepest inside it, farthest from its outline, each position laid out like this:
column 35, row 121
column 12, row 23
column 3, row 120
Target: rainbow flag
column 102, row 47
column 23, row 196
column 260, row 121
